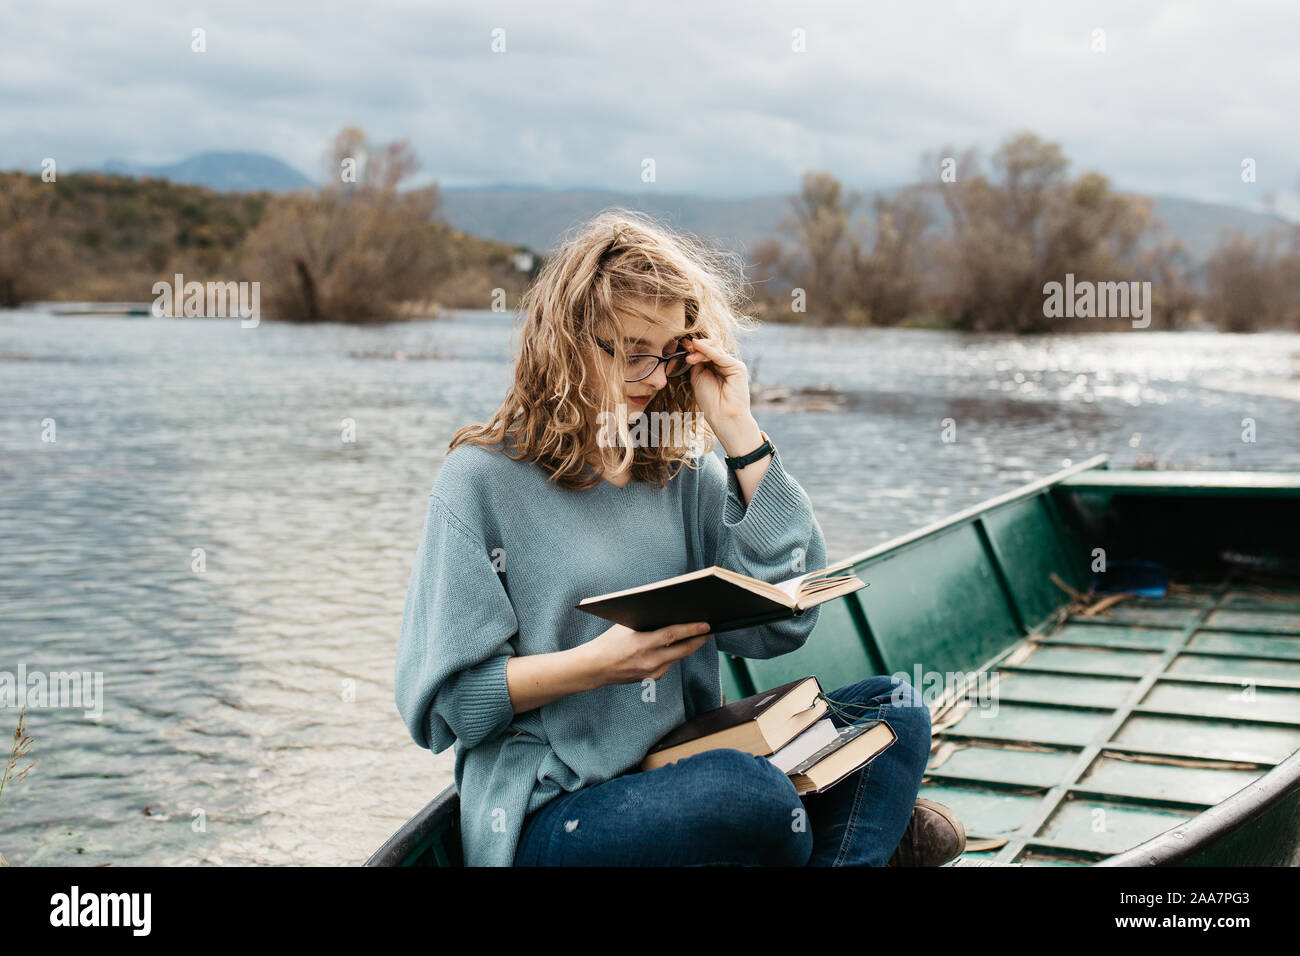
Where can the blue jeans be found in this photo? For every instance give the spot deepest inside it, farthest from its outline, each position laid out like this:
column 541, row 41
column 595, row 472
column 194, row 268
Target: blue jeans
column 731, row 808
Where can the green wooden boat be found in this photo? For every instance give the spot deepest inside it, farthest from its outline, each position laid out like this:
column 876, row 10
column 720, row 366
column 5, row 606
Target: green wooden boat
column 1072, row 729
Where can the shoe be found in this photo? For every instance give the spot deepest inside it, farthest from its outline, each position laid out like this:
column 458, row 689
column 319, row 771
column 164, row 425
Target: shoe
column 934, row 836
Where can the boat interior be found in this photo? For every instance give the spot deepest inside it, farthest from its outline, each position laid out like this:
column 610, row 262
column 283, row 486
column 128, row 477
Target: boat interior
column 1071, row 725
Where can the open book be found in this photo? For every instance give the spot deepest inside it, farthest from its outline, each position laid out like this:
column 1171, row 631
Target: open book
column 726, row 599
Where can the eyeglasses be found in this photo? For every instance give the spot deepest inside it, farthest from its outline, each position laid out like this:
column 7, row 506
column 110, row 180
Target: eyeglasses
column 644, row 365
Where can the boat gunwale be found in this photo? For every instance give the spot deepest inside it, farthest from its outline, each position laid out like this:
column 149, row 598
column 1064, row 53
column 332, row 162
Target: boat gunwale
column 1213, row 824
column 1140, row 482
column 413, row 838
column 971, row 514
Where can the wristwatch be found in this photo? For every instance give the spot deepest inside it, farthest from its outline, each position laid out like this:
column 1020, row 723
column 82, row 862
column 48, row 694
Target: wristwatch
column 767, row 448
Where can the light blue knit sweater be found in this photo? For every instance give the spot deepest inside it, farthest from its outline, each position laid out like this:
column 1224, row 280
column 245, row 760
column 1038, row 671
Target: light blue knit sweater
column 505, row 555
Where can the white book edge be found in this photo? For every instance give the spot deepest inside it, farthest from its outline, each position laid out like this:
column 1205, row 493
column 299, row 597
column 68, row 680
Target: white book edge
column 818, row 735
column 791, row 586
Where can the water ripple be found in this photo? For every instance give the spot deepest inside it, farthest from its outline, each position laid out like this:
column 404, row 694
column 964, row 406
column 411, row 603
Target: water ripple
column 248, row 711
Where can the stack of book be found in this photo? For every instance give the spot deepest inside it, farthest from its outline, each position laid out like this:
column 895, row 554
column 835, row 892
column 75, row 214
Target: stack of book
column 787, row 725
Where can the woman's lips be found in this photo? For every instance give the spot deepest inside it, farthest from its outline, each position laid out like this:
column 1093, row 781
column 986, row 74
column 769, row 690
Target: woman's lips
column 640, row 399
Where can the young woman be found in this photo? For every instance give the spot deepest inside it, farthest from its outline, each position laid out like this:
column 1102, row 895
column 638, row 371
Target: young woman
column 597, row 474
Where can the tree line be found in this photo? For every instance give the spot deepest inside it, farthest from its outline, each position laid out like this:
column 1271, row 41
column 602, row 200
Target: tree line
column 360, row 249
column 968, row 248
column 976, row 249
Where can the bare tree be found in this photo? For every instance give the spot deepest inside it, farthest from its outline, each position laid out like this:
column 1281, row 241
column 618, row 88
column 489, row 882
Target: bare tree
column 1026, row 225
column 1251, row 284
column 357, row 248
column 885, row 280
column 824, row 248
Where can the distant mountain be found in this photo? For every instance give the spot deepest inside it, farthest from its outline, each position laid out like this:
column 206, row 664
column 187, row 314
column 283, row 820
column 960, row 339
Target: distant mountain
column 537, row 217
column 224, row 172
column 1200, row 225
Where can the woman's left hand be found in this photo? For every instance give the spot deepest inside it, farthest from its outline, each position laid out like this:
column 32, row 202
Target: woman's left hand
column 721, row 383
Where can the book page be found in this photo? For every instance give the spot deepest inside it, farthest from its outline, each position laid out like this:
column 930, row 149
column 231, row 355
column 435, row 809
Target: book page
column 820, row 595
column 842, row 736
column 792, row 586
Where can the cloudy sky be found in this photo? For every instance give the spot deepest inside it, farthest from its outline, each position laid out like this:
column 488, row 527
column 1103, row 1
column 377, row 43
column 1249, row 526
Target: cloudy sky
column 713, row 92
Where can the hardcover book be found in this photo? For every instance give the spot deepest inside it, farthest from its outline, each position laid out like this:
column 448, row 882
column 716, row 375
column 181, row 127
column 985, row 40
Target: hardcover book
column 788, row 726
column 726, row 599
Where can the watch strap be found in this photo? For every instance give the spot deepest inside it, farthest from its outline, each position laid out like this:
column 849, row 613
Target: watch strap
column 767, row 448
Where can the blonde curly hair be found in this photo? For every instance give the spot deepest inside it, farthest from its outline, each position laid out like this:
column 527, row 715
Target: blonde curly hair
column 562, row 390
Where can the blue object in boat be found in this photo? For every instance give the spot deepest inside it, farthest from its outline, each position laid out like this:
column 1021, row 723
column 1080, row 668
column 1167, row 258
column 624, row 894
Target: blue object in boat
column 1144, row 578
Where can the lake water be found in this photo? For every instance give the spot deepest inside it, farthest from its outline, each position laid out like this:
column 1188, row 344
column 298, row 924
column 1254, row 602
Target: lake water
column 248, row 712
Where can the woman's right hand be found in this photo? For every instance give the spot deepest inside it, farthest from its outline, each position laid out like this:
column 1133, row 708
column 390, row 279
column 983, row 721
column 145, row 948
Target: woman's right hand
column 624, row 656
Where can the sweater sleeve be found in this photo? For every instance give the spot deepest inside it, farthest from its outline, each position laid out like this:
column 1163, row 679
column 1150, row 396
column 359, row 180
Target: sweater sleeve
column 774, row 538
column 455, row 638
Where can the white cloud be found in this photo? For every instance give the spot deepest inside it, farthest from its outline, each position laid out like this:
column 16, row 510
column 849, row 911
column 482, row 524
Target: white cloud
column 711, row 91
